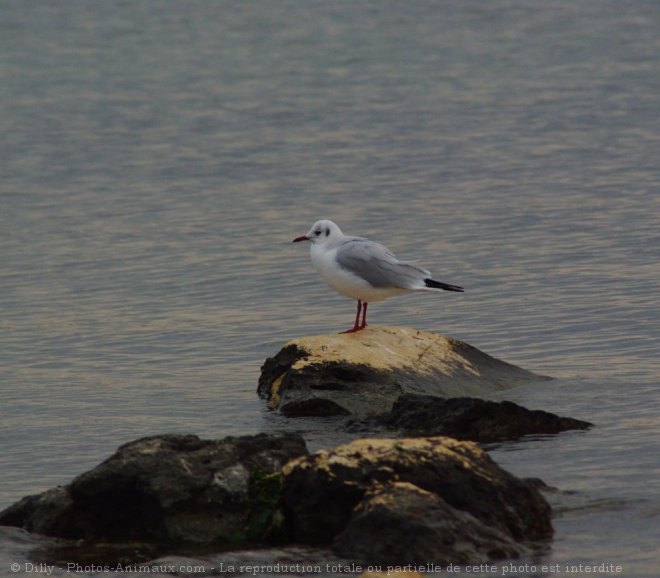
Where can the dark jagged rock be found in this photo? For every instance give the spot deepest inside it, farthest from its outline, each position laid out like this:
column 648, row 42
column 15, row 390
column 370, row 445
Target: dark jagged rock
column 163, row 489
column 400, row 523
column 315, row 407
column 321, row 492
column 363, row 373
column 467, row 418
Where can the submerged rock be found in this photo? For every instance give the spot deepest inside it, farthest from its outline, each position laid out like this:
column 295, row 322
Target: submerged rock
column 165, row 489
column 467, row 418
column 447, row 491
column 363, row 373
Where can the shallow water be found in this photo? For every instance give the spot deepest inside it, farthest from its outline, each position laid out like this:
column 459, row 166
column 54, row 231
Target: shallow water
column 158, row 159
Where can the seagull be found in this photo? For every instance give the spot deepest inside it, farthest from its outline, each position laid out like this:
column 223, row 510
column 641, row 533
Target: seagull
column 364, row 270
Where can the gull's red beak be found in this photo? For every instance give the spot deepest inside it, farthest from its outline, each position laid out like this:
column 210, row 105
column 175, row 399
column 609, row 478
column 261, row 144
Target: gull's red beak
column 301, row 238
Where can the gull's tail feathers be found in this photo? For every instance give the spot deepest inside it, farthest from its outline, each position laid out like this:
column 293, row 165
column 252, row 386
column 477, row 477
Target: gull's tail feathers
column 431, row 284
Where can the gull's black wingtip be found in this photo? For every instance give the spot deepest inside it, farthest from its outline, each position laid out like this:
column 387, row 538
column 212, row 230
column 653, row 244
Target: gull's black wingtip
column 445, row 286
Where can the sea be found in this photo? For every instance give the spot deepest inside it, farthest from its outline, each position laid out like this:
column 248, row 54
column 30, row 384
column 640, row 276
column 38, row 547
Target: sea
column 158, row 157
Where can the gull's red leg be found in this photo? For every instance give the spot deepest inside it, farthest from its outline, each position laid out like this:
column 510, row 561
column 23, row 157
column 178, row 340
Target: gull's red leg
column 364, row 315
column 357, row 315
column 356, row 325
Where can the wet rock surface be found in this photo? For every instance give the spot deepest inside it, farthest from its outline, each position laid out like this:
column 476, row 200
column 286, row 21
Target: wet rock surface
column 364, row 373
column 162, row 489
column 472, row 419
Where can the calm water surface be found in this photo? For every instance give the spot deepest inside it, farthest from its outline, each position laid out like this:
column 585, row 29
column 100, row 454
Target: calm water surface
column 157, row 159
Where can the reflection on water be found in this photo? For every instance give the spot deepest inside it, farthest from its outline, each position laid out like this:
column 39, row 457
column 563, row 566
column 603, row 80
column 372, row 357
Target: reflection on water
column 157, row 163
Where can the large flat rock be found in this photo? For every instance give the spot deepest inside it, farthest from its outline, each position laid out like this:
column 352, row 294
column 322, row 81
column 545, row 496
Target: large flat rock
column 363, row 373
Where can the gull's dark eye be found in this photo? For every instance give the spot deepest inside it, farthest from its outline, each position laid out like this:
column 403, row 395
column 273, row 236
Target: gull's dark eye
column 317, row 232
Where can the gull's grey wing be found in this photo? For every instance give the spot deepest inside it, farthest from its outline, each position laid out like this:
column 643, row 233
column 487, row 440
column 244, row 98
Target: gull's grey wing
column 377, row 265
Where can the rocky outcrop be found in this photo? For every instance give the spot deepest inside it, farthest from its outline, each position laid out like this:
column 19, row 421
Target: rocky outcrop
column 372, row 498
column 167, row 489
column 363, row 373
column 412, row 500
column 467, row 418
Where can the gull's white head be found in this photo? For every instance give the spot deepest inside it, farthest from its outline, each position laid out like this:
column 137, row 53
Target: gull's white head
column 322, row 232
